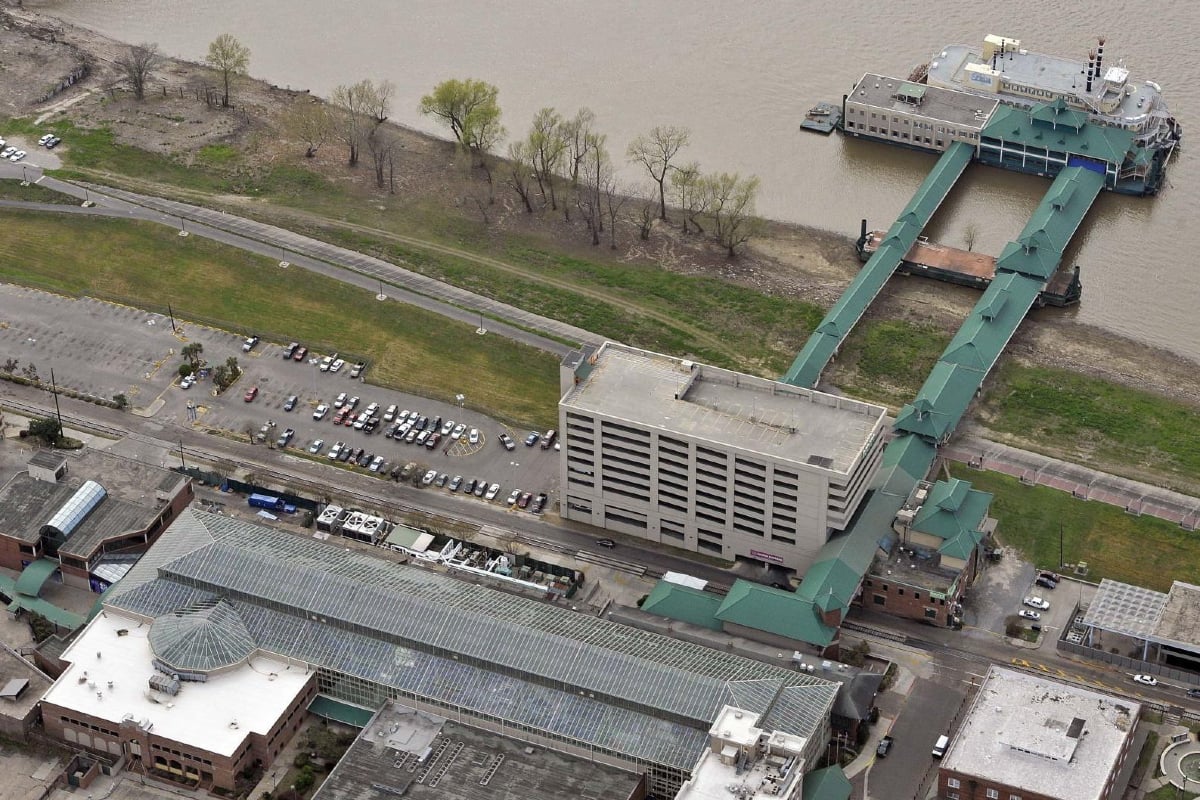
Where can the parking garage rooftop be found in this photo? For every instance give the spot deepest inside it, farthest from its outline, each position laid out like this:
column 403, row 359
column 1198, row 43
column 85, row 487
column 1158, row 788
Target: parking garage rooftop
column 732, row 409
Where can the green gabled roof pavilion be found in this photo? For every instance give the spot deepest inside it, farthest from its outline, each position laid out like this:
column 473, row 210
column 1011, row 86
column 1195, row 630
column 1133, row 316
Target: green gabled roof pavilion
column 776, row 611
column 683, row 603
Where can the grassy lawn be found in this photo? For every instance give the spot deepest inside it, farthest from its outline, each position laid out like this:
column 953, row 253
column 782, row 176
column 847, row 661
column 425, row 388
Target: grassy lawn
column 149, row 265
column 1092, row 421
column 1140, row 550
column 1169, row 792
column 13, row 190
column 887, row 360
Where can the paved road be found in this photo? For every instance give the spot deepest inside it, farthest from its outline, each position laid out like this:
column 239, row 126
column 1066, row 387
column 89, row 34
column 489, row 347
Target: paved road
column 400, row 284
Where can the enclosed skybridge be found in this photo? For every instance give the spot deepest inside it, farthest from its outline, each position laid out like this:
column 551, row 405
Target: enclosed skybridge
column 848, row 310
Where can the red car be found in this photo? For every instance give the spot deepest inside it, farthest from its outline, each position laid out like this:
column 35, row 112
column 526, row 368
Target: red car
column 300, row 354
column 251, row 393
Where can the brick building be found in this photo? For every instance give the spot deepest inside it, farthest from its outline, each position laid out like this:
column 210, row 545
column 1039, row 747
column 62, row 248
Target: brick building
column 1029, row 738
column 186, row 697
column 91, row 514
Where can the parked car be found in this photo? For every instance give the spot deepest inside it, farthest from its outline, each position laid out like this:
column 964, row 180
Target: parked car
column 345, row 456
column 1046, row 583
column 442, row 478
column 1146, row 680
column 1053, row 576
column 455, row 483
column 513, row 497
column 300, row 354
column 285, row 438
column 365, row 459
column 340, row 417
column 408, row 470
column 290, row 350
column 327, row 362
column 432, row 442
column 53, row 143
column 357, row 370
column 337, row 364
column 376, row 463
column 336, row 450
column 316, row 446
column 532, row 438
column 458, row 431
column 352, row 403
column 249, row 344
column 320, row 411
column 473, row 436
column 1036, row 602
column 470, row 487
column 481, row 488
column 390, row 414
column 507, row 441
column 885, row 744
column 524, row 500
column 429, row 477
column 492, row 491
column 609, row 543
column 1025, row 613
column 45, row 138
column 290, row 403
column 340, row 400
column 8, row 151
column 17, row 156
column 539, row 503
column 187, row 381
column 447, row 427
column 412, row 435
column 1193, row 693
column 251, row 393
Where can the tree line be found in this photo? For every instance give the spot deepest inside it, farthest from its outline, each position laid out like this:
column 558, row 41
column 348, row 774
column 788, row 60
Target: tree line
column 561, row 164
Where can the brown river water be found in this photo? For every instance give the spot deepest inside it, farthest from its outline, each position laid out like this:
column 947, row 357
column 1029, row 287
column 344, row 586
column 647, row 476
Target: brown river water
column 741, row 76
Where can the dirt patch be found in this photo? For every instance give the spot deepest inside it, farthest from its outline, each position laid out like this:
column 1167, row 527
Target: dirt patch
column 37, row 52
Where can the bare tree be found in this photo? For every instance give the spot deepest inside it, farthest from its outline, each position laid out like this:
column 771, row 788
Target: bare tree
column 731, row 205
column 308, row 120
column 546, row 148
column 646, row 216
column 655, row 152
column 687, row 194
column 595, row 170
column 229, row 57
column 575, row 133
column 615, row 197
column 970, row 235
column 137, row 64
column 356, row 105
column 520, row 172
column 381, row 142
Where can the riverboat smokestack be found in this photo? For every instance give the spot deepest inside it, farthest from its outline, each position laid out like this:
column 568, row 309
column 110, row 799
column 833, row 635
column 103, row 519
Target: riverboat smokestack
column 1091, row 69
column 1099, row 59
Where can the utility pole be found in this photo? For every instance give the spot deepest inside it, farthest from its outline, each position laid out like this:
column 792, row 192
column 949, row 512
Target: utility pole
column 1060, row 546
column 57, row 410
column 182, row 463
column 171, row 314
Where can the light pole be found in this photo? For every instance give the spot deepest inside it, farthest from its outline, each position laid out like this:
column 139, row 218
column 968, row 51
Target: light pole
column 461, row 398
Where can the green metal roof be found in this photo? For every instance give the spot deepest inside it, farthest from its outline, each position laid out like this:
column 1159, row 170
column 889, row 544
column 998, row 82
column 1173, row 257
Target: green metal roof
column 340, row 711
column 694, row 606
column 951, row 509
column 1058, row 131
column 829, row 783
column 1056, row 113
column 827, row 338
column 765, row 608
column 985, row 332
column 33, row 577
column 941, row 403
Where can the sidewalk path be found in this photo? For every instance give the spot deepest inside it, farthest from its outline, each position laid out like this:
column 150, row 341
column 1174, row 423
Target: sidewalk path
column 1086, row 484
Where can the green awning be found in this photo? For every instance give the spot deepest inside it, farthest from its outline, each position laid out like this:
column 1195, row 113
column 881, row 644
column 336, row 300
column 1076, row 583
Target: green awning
column 340, row 711
column 36, row 605
column 32, row 577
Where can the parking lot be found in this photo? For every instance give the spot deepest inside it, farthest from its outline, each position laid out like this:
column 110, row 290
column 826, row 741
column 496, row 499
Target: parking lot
column 104, row 349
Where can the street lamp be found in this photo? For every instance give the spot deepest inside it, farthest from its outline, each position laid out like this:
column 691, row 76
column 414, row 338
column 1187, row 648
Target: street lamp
column 461, row 399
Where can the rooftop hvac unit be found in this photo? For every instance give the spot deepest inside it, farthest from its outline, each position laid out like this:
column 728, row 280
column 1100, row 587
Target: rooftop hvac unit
column 920, row 495
column 906, row 515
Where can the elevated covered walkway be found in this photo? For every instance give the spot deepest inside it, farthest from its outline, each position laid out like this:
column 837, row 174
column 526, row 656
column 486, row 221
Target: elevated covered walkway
column 1021, row 273
column 848, row 310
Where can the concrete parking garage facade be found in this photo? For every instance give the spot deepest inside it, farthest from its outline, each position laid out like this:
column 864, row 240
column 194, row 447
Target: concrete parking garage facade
column 711, row 460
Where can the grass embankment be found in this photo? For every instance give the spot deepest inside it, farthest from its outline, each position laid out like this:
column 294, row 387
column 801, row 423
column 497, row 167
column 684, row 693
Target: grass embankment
column 1090, row 421
column 1140, row 550
column 886, row 361
column 149, row 265
column 13, row 190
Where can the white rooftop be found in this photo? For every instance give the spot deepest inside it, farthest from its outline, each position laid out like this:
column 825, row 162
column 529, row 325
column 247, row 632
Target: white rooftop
column 706, row 403
column 1042, row 737
column 745, row 762
column 215, row 715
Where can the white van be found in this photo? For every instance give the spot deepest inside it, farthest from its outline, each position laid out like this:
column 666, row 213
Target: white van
column 939, row 749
